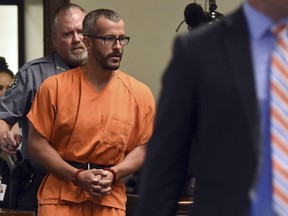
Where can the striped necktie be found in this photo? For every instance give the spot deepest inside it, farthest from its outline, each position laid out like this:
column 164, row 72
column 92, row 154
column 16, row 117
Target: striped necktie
column 279, row 120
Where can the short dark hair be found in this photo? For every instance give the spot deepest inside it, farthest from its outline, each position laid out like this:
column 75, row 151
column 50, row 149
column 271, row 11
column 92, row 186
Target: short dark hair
column 90, row 19
column 4, row 67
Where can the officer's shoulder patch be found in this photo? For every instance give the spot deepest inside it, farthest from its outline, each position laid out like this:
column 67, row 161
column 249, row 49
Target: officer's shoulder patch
column 14, row 84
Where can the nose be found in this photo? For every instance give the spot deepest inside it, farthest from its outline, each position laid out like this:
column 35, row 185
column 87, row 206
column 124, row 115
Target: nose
column 117, row 45
column 77, row 37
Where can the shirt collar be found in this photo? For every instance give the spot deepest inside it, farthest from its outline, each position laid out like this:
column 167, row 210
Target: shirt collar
column 259, row 24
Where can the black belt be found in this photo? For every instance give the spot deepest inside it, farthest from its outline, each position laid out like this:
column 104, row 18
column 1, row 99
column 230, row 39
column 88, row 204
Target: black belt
column 85, row 166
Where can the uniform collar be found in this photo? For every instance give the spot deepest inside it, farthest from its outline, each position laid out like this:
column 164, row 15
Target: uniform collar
column 60, row 64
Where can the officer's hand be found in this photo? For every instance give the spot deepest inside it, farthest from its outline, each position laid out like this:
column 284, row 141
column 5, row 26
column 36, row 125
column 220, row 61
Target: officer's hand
column 10, row 142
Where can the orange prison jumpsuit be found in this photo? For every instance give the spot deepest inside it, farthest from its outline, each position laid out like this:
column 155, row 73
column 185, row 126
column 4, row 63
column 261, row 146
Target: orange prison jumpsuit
column 86, row 126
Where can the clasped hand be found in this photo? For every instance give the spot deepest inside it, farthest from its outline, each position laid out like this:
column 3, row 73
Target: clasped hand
column 95, row 182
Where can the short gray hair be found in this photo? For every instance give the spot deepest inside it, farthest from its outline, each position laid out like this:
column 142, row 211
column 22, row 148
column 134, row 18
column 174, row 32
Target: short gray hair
column 62, row 8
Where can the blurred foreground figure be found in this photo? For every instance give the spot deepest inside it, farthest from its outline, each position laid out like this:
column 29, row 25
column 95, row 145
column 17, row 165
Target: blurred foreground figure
column 213, row 119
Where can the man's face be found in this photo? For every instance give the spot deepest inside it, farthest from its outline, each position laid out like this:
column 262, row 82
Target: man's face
column 68, row 38
column 109, row 57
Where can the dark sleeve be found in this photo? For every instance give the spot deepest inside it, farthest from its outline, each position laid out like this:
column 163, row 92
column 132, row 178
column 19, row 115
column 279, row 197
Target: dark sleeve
column 166, row 164
column 17, row 99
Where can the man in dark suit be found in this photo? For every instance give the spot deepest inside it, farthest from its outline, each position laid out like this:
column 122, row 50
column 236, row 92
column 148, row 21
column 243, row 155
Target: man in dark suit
column 212, row 104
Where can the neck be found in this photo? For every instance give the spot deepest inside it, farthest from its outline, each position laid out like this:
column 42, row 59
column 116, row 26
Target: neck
column 98, row 78
column 273, row 9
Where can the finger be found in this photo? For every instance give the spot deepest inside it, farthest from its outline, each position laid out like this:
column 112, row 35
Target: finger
column 105, row 182
column 101, row 189
column 9, row 143
column 11, row 139
column 102, row 183
column 9, row 147
column 101, row 193
column 96, row 188
column 6, row 147
column 94, row 193
column 96, row 179
column 100, row 172
column 106, row 190
column 18, row 139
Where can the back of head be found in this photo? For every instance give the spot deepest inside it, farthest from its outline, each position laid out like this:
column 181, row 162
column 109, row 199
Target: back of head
column 92, row 17
column 6, row 76
column 4, row 67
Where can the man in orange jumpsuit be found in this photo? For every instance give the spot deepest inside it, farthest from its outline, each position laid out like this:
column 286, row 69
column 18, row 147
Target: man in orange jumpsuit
column 89, row 126
column 69, row 52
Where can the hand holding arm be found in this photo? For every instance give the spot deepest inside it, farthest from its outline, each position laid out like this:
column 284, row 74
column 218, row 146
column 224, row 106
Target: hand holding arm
column 131, row 163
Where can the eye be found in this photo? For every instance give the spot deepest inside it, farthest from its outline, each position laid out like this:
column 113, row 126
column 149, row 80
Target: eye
column 121, row 38
column 67, row 34
column 110, row 38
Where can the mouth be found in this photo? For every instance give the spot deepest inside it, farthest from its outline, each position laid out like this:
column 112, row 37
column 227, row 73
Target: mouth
column 78, row 50
column 115, row 59
column 116, row 55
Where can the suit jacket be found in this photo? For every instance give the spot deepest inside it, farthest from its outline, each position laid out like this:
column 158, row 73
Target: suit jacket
column 208, row 106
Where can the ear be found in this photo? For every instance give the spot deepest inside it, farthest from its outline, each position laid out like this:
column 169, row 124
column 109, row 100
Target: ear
column 87, row 42
column 54, row 40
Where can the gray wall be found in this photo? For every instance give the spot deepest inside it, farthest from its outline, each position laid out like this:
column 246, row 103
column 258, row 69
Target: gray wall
column 150, row 24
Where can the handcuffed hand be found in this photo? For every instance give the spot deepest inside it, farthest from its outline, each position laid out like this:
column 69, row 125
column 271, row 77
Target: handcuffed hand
column 94, row 182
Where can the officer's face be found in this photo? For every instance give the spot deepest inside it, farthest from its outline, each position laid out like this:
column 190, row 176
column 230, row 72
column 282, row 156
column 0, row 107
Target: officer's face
column 68, row 38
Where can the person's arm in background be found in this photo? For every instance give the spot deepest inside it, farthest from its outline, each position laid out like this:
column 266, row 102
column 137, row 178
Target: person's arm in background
column 16, row 128
column 9, row 138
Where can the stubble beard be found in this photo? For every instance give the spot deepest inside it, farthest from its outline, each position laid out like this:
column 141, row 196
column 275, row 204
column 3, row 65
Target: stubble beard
column 104, row 61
